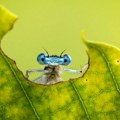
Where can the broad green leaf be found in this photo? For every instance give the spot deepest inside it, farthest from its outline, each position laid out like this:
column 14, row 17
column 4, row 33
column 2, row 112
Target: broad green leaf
column 95, row 96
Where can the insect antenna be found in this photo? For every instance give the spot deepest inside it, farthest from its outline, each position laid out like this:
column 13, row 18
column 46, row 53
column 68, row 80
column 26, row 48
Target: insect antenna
column 46, row 52
column 62, row 52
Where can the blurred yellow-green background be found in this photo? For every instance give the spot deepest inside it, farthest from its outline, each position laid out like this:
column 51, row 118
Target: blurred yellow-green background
column 55, row 25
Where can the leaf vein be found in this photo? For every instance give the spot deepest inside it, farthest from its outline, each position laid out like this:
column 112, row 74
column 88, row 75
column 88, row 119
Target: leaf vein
column 109, row 68
column 23, row 89
column 80, row 99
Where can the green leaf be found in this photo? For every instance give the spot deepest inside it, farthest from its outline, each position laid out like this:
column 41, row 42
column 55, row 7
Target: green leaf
column 6, row 21
column 95, row 96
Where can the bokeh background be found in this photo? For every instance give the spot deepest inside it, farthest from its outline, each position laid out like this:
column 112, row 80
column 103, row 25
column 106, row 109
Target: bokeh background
column 55, row 25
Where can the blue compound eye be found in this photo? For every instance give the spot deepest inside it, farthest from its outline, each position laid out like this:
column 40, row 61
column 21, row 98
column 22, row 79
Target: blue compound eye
column 66, row 59
column 41, row 58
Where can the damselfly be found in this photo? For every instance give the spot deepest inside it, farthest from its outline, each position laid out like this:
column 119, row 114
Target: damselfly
column 53, row 69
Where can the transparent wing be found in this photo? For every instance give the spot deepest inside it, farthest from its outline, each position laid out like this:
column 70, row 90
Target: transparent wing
column 77, row 71
column 37, row 80
column 72, row 71
column 35, row 70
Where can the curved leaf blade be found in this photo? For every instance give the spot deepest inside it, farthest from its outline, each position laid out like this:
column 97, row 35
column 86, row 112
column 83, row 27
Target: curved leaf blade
column 6, row 21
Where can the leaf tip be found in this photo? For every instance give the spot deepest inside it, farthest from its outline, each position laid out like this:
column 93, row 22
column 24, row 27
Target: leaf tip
column 6, row 11
column 7, row 20
column 84, row 40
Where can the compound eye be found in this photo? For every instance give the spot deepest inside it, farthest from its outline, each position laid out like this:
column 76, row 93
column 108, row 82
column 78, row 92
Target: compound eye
column 41, row 58
column 67, row 59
